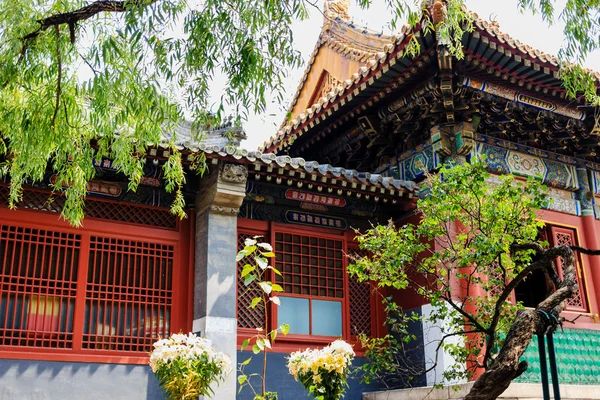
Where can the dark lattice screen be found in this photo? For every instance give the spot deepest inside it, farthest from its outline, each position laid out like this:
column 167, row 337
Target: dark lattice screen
column 310, row 265
column 247, row 317
column 566, row 237
column 95, row 208
column 360, row 301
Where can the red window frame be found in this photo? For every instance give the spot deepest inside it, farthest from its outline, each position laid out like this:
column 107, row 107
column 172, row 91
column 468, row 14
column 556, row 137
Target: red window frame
column 569, row 236
column 292, row 342
column 178, row 240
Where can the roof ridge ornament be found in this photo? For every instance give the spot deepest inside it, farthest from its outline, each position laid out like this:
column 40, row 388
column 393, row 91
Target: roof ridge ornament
column 337, row 9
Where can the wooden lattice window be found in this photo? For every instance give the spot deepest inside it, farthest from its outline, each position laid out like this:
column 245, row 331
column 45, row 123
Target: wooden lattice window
column 38, row 287
column 360, row 301
column 250, row 318
column 564, row 237
column 313, row 279
column 68, row 293
column 310, row 265
column 128, row 294
column 537, row 287
column 320, row 300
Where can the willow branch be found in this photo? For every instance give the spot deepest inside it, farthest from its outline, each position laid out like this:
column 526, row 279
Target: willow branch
column 59, row 78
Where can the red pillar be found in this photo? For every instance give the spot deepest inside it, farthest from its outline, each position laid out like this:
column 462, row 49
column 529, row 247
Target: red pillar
column 590, row 234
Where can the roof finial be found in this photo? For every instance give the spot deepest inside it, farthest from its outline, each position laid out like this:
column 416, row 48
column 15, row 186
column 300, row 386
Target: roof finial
column 337, row 8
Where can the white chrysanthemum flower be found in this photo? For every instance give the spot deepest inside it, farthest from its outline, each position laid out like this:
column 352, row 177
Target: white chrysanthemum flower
column 343, row 347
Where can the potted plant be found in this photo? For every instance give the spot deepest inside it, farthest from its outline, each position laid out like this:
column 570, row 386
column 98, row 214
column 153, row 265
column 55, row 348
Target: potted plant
column 323, row 372
column 187, row 365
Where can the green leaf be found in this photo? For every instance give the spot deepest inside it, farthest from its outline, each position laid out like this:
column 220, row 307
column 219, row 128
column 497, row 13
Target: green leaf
column 262, row 262
column 256, row 349
column 249, row 279
column 255, row 302
column 284, row 328
column 266, row 287
column 273, row 334
column 276, row 288
column 247, row 269
column 268, row 254
column 242, row 379
column 245, row 344
column 246, row 361
column 240, row 256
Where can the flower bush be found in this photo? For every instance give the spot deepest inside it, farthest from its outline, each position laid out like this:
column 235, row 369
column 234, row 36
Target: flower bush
column 323, row 372
column 186, row 366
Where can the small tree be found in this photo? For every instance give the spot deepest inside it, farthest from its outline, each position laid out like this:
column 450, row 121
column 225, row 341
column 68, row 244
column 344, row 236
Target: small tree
column 256, row 274
column 477, row 240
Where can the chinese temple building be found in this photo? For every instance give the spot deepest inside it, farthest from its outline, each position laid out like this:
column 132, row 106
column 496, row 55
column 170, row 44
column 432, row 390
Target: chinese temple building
column 401, row 115
column 81, row 307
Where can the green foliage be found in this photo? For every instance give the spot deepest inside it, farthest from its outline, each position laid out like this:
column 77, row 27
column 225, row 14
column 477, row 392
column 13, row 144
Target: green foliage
column 187, row 379
column 390, row 357
column 186, row 366
column 109, row 84
column 254, row 274
column 80, row 87
column 470, row 225
column 323, row 372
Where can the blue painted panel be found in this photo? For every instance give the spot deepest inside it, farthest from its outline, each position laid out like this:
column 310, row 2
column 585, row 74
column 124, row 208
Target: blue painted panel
column 279, row 380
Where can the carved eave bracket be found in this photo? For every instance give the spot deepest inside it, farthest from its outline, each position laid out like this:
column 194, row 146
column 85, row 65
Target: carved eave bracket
column 456, row 138
column 223, row 189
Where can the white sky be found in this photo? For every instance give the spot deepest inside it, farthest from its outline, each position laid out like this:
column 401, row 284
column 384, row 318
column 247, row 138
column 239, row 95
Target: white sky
column 527, row 28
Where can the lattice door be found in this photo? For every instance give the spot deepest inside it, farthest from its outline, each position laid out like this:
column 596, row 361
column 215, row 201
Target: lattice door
column 360, row 301
column 565, row 237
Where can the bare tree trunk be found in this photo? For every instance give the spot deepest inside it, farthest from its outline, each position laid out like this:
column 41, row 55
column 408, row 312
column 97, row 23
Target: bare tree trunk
column 507, row 365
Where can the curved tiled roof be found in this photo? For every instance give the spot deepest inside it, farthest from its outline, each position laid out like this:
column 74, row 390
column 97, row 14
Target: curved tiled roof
column 489, row 28
column 493, row 29
column 347, row 177
column 371, row 65
column 332, row 36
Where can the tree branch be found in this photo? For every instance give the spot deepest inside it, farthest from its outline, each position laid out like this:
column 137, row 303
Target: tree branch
column 73, row 17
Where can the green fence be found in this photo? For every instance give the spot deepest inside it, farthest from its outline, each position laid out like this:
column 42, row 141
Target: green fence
column 577, row 358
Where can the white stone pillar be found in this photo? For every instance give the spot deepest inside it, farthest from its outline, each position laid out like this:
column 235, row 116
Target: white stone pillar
column 217, row 205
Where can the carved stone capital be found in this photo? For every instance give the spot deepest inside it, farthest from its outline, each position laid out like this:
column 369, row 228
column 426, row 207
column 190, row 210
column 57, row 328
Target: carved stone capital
column 224, row 210
column 222, row 189
column 233, row 173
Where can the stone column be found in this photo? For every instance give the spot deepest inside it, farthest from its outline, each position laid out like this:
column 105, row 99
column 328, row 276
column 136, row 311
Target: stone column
column 217, row 205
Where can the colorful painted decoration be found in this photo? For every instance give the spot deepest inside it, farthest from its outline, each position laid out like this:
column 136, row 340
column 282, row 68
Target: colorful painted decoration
column 105, row 163
column 296, row 217
column 511, row 94
column 553, row 173
column 149, row 181
column 98, row 188
column 292, row 194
